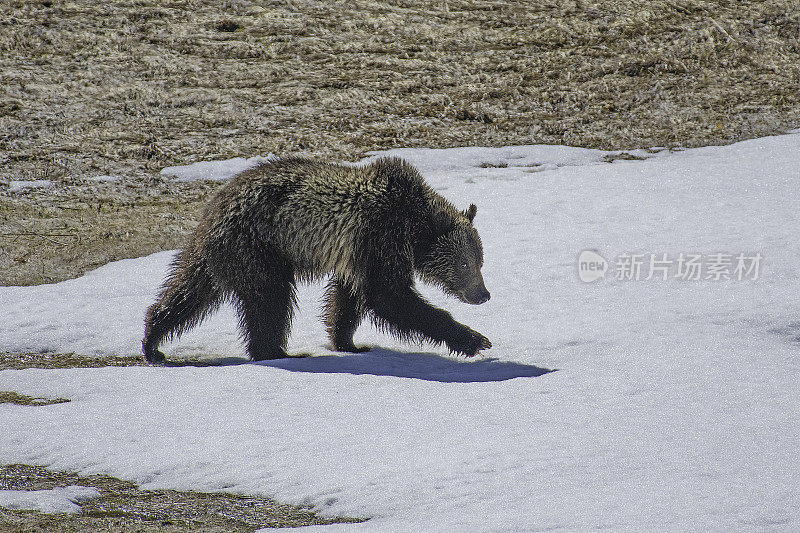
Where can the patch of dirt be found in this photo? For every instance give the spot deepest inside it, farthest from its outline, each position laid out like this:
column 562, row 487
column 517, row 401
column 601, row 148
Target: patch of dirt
column 21, row 399
column 124, row 507
column 16, row 361
column 622, row 156
column 126, row 88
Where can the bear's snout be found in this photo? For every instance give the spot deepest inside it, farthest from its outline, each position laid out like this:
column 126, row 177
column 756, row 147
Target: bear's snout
column 477, row 296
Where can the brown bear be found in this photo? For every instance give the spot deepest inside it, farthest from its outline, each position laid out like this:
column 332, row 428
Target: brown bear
column 373, row 227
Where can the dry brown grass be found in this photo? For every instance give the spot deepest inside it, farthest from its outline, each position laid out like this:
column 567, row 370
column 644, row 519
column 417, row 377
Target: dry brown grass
column 15, row 361
column 52, row 234
column 22, row 399
column 122, row 506
column 128, row 87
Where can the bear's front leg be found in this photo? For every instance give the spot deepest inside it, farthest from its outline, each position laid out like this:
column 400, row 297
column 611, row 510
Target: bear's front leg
column 408, row 315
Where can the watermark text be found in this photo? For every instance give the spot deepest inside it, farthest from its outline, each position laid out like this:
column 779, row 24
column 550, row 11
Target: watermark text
column 717, row 266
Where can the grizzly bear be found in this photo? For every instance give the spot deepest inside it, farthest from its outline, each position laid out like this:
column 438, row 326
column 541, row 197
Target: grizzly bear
column 372, row 227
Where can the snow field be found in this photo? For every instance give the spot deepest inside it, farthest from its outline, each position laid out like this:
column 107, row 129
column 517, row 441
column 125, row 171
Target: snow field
column 674, row 406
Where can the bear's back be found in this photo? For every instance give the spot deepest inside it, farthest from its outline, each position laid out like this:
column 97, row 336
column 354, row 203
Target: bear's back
column 299, row 187
column 322, row 216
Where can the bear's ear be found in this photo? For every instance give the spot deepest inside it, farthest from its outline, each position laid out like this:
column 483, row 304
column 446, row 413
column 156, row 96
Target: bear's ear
column 470, row 212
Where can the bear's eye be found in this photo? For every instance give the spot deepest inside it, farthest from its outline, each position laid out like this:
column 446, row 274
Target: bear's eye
column 463, row 266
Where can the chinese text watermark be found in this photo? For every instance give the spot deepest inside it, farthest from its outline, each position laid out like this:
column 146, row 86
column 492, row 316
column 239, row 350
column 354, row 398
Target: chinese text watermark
column 716, row 266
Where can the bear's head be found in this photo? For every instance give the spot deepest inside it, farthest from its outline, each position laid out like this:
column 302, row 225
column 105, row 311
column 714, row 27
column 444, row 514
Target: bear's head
column 454, row 261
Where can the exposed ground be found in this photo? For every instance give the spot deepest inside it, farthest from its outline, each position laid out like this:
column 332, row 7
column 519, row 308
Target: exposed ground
column 124, row 507
column 125, row 88
column 16, row 361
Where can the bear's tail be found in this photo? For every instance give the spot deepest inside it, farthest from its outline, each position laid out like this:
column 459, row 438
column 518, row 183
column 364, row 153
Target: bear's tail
column 189, row 295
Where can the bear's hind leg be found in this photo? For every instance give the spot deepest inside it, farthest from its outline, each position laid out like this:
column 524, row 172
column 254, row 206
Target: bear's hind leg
column 265, row 312
column 343, row 314
column 188, row 295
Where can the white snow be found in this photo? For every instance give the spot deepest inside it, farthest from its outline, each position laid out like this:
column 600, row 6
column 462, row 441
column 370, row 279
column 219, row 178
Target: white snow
column 57, row 500
column 18, row 185
column 213, row 170
column 533, row 158
column 674, row 406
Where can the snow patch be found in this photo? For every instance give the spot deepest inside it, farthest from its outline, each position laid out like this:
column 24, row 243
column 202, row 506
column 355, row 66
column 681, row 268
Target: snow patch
column 18, row 185
column 57, row 500
column 213, row 170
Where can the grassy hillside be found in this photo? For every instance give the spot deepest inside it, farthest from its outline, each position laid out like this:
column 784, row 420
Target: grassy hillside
column 127, row 87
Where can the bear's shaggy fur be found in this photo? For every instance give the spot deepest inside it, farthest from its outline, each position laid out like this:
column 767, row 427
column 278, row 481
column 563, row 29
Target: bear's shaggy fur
column 373, row 227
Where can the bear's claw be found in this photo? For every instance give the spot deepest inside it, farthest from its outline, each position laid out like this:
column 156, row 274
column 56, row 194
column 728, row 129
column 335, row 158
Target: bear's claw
column 469, row 343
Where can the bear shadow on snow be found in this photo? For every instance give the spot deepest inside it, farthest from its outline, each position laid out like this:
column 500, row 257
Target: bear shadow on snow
column 386, row 362
column 417, row 365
